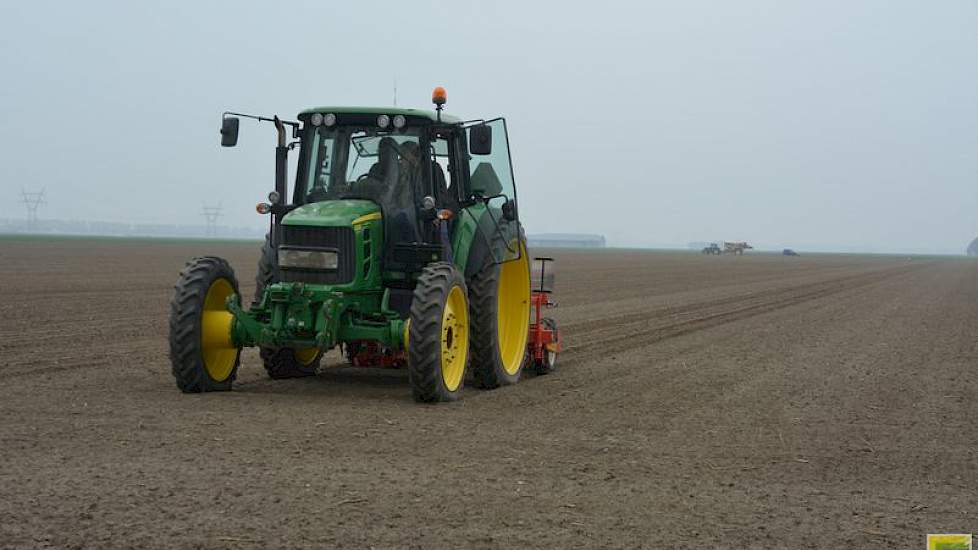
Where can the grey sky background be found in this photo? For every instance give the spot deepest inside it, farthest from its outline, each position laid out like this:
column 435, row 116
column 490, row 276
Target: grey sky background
column 848, row 125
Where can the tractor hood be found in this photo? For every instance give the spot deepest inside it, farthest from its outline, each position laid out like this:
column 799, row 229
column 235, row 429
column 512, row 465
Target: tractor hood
column 333, row 213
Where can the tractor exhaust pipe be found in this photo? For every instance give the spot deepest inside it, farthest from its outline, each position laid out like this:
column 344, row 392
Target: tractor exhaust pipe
column 281, row 176
column 281, row 160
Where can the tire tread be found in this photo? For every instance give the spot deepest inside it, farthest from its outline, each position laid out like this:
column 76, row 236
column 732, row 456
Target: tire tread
column 184, row 322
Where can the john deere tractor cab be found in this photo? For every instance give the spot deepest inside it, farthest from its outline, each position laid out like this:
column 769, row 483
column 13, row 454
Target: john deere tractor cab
column 400, row 242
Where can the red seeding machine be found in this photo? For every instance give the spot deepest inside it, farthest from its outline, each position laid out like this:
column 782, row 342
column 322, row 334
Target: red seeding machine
column 544, row 341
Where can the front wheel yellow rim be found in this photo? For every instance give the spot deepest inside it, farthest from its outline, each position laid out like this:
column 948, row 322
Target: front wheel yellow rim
column 218, row 352
column 306, row 356
column 454, row 338
column 513, row 311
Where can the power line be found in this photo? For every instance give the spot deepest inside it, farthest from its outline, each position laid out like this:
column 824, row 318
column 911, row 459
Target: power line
column 32, row 200
column 211, row 214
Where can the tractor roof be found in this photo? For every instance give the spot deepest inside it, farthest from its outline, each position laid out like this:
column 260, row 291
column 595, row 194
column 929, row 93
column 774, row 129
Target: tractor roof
column 430, row 115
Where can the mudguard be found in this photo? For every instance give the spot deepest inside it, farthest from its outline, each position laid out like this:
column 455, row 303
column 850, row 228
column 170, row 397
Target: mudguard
column 492, row 241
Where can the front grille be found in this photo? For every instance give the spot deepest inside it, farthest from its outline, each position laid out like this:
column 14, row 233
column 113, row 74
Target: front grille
column 340, row 238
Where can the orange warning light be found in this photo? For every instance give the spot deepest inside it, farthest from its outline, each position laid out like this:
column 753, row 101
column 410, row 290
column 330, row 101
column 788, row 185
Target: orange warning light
column 439, row 96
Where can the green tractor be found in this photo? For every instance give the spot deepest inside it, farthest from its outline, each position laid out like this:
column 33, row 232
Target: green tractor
column 400, row 242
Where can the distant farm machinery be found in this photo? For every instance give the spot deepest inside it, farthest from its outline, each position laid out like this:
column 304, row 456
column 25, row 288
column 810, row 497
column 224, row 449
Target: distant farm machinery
column 713, row 249
column 737, row 248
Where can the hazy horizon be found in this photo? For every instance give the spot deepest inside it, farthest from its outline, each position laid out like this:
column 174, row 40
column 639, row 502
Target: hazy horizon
column 830, row 125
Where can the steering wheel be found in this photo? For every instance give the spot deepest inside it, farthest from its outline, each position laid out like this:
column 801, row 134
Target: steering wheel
column 317, row 194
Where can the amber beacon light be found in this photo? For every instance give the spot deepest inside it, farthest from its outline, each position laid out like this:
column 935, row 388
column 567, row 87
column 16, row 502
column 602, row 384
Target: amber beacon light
column 439, row 96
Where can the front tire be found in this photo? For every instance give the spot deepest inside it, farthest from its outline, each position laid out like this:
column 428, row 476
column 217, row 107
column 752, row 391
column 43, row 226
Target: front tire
column 281, row 363
column 438, row 334
column 202, row 355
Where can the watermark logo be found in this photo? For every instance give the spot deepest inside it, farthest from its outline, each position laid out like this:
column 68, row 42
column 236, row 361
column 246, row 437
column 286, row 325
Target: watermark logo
column 949, row 542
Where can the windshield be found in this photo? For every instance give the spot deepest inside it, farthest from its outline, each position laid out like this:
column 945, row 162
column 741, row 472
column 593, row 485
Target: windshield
column 362, row 163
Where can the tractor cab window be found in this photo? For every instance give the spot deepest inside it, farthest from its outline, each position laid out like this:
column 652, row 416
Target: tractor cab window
column 352, row 163
column 379, row 152
column 491, row 175
column 491, row 180
column 325, row 152
column 368, row 163
column 445, row 192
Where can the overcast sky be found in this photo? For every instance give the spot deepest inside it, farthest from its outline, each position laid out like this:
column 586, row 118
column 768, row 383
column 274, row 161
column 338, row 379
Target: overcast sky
column 850, row 125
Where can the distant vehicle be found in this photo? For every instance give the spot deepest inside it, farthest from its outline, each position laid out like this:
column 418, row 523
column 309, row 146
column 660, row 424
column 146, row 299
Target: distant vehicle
column 714, row 248
column 737, row 248
column 789, row 252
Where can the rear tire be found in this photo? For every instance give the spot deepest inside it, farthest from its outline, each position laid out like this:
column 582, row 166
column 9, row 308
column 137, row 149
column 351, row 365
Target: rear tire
column 499, row 336
column 438, row 335
column 281, row 363
column 201, row 353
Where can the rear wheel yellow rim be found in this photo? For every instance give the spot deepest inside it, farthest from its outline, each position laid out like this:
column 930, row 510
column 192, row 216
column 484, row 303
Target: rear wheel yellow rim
column 513, row 311
column 218, row 352
column 407, row 334
column 306, row 356
column 454, row 338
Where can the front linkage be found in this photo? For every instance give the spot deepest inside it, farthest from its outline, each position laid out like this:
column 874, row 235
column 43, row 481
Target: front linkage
column 299, row 316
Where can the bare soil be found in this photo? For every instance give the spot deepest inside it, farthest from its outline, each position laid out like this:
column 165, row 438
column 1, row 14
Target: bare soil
column 702, row 402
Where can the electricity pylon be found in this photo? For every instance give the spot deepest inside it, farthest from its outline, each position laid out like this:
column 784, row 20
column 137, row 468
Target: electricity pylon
column 211, row 214
column 32, row 200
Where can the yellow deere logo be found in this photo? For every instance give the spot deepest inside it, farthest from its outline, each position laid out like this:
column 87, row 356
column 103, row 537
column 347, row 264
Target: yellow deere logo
column 948, row 542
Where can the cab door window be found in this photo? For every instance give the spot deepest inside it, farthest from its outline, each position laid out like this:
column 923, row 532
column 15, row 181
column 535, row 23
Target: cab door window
column 443, row 174
column 490, row 172
column 491, row 175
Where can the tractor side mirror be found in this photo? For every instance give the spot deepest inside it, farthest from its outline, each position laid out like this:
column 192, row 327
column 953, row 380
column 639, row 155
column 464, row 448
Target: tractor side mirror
column 480, row 139
column 229, row 131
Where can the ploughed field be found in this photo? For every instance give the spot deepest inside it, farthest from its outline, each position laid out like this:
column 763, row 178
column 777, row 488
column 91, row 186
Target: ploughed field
column 703, row 402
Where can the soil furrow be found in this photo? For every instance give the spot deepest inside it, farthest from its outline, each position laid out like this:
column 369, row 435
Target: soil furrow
column 639, row 329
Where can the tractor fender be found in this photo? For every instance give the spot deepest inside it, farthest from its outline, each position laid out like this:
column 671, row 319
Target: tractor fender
column 488, row 247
